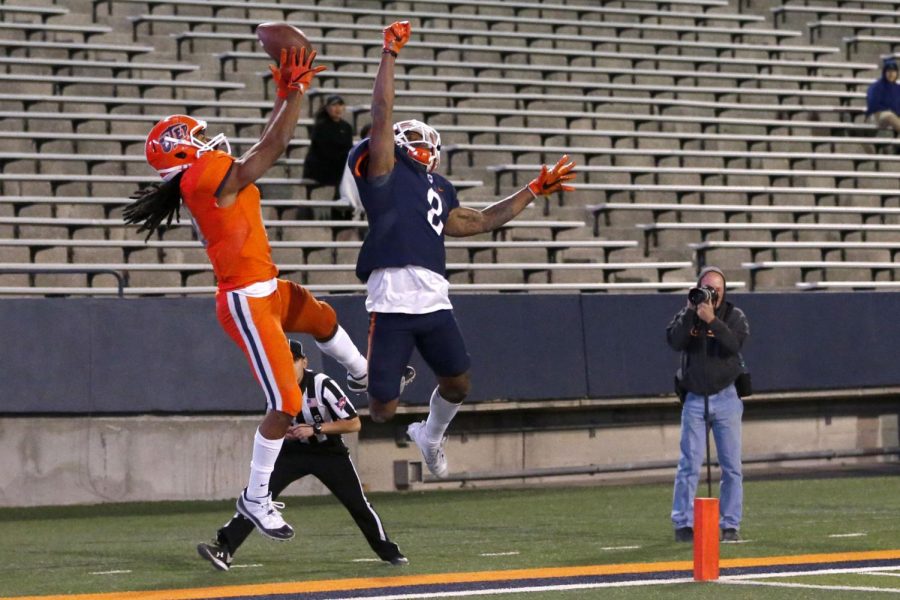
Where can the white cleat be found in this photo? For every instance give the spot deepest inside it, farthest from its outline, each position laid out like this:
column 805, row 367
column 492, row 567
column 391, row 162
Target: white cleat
column 358, row 385
column 431, row 452
column 266, row 516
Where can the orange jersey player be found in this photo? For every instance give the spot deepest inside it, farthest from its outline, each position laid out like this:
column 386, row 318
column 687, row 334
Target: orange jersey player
column 253, row 306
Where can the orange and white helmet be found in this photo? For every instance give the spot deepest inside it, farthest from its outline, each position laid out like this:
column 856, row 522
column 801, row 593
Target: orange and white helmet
column 426, row 149
column 172, row 145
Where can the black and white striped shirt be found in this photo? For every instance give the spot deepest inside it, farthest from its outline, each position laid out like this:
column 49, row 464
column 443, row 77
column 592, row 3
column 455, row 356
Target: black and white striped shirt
column 323, row 402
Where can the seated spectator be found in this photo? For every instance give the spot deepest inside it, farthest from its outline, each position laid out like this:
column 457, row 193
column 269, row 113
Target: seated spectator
column 330, row 141
column 883, row 98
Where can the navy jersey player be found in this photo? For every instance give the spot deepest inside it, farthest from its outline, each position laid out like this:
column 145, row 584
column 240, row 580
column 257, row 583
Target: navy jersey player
column 410, row 209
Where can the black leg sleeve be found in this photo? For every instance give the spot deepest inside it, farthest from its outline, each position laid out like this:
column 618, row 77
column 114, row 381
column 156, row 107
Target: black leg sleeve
column 287, row 470
column 339, row 476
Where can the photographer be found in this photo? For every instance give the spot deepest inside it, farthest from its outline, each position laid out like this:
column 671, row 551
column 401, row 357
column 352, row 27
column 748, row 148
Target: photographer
column 709, row 332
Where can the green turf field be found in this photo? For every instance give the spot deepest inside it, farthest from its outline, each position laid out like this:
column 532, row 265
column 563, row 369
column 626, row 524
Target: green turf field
column 75, row 549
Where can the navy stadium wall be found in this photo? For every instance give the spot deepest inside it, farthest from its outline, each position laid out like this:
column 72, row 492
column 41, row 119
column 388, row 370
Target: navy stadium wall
column 166, row 355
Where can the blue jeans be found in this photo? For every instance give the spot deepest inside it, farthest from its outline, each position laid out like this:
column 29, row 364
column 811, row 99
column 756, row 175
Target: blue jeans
column 725, row 412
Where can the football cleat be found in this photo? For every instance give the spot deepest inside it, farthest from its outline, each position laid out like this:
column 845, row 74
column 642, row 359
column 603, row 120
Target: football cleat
column 266, row 516
column 216, row 554
column 397, row 561
column 431, row 452
column 358, row 385
column 409, row 375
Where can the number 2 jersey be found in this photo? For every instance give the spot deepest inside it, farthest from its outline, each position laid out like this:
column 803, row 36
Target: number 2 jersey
column 235, row 237
column 407, row 210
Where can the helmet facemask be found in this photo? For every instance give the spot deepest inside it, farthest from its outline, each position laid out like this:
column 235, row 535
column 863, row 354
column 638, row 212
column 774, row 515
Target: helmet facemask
column 424, row 147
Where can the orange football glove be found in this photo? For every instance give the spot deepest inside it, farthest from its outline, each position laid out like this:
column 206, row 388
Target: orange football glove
column 396, row 35
column 295, row 71
column 553, row 180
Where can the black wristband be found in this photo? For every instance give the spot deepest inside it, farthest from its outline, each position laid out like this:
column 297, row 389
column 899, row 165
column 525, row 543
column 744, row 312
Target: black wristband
column 317, row 428
column 389, row 51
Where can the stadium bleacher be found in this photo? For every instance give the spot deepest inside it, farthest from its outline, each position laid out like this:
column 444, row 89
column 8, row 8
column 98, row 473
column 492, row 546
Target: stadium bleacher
column 671, row 109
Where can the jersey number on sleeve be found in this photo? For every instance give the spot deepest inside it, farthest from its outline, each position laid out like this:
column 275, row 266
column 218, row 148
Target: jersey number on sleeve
column 434, row 214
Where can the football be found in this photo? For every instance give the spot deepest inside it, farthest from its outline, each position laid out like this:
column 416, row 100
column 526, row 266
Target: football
column 274, row 36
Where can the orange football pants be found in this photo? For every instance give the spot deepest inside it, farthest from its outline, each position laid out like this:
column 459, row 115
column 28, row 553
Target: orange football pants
column 258, row 326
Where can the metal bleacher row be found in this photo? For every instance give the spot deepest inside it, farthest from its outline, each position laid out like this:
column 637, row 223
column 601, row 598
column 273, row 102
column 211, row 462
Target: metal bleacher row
column 705, row 133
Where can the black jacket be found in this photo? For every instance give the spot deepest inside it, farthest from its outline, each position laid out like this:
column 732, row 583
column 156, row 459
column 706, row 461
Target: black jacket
column 330, row 142
column 724, row 338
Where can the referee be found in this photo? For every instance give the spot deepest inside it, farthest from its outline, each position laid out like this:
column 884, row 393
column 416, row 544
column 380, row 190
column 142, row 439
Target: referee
column 313, row 446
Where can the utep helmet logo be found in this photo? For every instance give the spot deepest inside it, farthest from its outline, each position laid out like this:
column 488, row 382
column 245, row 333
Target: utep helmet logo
column 178, row 131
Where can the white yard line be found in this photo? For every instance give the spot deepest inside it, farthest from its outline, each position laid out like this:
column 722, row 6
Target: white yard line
column 511, row 553
column 250, row 566
column 809, row 586
column 731, row 578
column 621, row 548
column 119, row 572
column 846, row 535
column 522, row 590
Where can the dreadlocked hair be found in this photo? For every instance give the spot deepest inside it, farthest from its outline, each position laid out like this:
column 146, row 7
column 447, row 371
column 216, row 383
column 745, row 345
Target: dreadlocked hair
column 153, row 204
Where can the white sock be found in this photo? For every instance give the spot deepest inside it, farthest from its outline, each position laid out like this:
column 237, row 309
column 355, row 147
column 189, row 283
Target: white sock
column 440, row 414
column 341, row 348
column 265, row 452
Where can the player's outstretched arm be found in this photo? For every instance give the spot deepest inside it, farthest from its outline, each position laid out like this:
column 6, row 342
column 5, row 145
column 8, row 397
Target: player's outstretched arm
column 463, row 222
column 381, row 136
column 292, row 78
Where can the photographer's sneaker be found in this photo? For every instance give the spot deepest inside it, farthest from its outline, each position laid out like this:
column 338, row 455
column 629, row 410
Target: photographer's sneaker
column 358, row 385
column 215, row 554
column 266, row 516
column 409, row 375
column 431, row 452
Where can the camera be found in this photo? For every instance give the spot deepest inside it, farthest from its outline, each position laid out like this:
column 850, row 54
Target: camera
column 699, row 295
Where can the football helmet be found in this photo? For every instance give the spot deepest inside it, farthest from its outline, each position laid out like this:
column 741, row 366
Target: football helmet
column 172, row 145
column 426, row 149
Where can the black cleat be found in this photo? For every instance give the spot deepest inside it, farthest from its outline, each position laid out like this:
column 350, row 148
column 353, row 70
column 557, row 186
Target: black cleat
column 684, row 534
column 215, row 554
column 397, row 561
column 729, row 535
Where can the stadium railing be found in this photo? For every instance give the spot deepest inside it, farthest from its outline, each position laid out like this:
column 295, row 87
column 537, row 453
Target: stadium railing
column 58, row 83
column 85, row 31
column 824, row 247
column 747, row 191
column 115, row 66
column 41, row 12
column 235, row 39
column 808, row 266
column 781, row 13
column 554, row 227
column 626, row 286
column 312, row 14
column 659, row 155
column 301, row 271
column 704, row 229
column 75, row 48
column 308, row 247
column 704, row 173
column 795, row 210
column 734, row 34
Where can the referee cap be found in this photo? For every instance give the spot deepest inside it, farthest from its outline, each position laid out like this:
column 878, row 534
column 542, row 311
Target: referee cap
column 297, row 350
